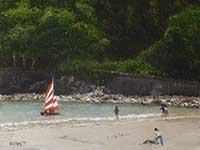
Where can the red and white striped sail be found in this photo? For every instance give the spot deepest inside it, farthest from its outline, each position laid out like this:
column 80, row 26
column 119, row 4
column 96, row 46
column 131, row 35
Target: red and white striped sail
column 50, row 100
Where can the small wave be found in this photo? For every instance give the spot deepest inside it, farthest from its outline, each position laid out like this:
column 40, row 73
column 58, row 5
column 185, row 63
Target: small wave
column 88, row 120
column 16, row 125
column 139, row 116
column 177, row 117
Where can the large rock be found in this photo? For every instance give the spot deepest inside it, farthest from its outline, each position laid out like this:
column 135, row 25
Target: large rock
column 14, row 81
column 142, row 86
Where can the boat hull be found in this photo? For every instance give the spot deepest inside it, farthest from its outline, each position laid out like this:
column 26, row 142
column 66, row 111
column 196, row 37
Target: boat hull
column 49, row 114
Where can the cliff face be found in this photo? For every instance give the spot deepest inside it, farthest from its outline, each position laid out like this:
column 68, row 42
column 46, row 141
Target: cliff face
column 13, row 81
column 149, row 86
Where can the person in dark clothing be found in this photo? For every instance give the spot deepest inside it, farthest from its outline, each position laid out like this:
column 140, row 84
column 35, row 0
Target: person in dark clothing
column 164, row 109
column 116, row 111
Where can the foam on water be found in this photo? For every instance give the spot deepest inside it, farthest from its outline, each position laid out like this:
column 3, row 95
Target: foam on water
column 81, row 120
column 87, row 121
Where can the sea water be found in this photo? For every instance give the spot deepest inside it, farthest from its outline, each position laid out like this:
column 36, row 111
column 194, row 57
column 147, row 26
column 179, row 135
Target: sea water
column 20, row 114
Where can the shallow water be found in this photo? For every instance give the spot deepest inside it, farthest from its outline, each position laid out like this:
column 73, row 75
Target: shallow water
column 15, row 114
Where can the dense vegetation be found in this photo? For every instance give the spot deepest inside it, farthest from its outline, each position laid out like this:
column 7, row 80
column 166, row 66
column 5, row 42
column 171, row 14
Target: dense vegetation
column 146, row 37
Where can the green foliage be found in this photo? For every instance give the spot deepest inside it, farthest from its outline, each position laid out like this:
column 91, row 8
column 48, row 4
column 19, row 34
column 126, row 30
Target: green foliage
column 177, row 54
column 134, row 25
column 47, row 32
column 7, row 4
column 107, row 68
column 139, row 67
column 100, row 37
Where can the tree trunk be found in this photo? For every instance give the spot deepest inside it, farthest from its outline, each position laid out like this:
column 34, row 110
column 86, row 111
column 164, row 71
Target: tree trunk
column 33, row 63
column 14, row 60
column 24, row 61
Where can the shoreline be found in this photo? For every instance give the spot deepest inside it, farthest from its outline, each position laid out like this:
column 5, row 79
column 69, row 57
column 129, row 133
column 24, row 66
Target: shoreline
column 100, row 97
column 90, row 121
column 129, row 134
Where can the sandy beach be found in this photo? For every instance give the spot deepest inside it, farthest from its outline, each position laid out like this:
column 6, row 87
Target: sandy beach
column 178, row 134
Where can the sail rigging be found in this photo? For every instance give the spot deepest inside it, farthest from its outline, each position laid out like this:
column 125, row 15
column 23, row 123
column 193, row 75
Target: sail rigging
column 51, row 100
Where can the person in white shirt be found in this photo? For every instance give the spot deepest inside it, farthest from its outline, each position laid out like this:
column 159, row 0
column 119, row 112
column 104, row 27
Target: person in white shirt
column 158, row 137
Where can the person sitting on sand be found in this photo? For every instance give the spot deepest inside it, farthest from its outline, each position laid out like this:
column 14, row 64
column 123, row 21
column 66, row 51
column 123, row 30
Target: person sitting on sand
column 157, row 140
column 158, row 137
column 116, row 111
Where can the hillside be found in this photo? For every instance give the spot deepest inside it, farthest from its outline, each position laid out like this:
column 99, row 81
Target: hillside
column 90, row 37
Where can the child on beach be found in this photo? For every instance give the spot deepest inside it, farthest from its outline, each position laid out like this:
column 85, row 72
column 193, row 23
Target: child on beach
column 116, row 111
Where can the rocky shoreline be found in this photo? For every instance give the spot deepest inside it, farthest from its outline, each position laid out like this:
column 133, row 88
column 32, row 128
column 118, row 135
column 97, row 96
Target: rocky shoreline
column 99, row 97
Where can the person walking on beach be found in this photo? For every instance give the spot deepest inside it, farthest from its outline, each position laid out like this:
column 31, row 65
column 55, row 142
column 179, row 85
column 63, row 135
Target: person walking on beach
column 158, row 137
column 116, row 111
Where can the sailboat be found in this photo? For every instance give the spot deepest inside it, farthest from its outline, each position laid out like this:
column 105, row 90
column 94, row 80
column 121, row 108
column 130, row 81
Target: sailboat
column 51, row 103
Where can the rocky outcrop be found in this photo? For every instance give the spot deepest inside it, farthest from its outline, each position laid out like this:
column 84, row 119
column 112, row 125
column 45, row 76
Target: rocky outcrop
column 16, row 85
column 152, row 86
column 99, row 97
column 13, row 81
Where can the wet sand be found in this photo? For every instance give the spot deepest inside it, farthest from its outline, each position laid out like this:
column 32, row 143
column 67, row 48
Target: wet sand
column 178, row 134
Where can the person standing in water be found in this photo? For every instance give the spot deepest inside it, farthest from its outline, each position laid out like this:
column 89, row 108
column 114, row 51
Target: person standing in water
column 116, row 111
column 164, row 109
column 158, row 137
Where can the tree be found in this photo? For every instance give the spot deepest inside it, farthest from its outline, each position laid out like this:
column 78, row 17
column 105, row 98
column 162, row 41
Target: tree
column 48, row 33
column 178, row 53
column 134, row 25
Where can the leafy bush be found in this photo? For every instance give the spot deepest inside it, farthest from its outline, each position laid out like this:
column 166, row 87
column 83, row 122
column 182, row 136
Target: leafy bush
column 92, row 68
column 177, row 53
